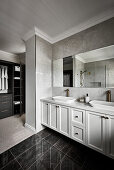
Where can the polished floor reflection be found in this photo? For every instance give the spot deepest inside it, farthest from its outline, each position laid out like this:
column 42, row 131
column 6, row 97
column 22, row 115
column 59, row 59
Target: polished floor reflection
column 49, row 150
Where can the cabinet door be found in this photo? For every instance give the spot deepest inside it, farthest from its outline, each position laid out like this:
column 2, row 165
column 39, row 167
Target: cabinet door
column 64, row 120
column 45, row 115
column 54, row 110
column 95, row 124
column 110, row 136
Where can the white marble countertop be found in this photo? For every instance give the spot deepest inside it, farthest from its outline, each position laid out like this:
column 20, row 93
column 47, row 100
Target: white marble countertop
column 79, row 105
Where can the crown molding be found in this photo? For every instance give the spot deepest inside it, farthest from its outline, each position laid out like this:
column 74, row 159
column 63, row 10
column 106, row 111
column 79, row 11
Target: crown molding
column 81, row 27
column 43, row 35
column 38, row 32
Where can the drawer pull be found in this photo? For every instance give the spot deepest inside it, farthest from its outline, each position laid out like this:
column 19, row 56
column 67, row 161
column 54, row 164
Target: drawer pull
column 57, row 106
column 76, row 116
column 106, row 117
column 103, row 117
column 4, row 110
column 76, row 133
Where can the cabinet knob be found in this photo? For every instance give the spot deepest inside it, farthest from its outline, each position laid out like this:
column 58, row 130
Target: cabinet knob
column 106, row 117
column 57, row 106
column 76, row 116
column 76, row 133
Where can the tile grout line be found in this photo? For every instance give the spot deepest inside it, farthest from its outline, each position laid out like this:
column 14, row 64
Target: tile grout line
column 73, row 159
column 51, row 143
column 27, row 149
column 41, row 156
column 9, row 161
column 60, row 161
column 16, row 160
column 7, row 164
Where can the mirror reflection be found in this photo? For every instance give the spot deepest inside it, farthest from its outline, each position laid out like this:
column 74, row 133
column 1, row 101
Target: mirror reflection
column 68, row 72
column 93, row 69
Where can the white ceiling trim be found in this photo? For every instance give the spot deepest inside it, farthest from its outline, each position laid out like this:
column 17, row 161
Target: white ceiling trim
column 92, row 22
column 80, row 59
column 38, row 32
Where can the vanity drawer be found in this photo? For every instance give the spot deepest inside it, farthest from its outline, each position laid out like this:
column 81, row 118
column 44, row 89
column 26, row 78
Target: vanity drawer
column 78, row 134
column 78, row 116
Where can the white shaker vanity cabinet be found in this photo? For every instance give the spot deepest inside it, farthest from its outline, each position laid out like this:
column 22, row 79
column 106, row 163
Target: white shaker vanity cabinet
column 95, row 131
column 56, row 117
column 94, row 128
column 100, row 132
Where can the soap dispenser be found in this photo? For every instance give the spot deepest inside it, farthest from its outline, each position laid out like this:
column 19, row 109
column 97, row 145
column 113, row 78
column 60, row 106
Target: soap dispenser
column 87, row 98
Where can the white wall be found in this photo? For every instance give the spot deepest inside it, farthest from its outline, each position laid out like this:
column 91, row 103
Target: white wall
column 43, row 75
column 31, row 83
column 38, row 79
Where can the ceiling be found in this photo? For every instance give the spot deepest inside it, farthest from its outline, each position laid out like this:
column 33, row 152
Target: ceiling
column 97, row 55
column 54, row 19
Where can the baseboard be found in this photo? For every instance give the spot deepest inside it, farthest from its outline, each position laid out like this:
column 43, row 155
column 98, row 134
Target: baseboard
column 30, row 127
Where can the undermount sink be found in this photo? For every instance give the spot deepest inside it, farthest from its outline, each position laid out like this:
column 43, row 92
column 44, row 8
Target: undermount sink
column 102, row 105
column 64, row 99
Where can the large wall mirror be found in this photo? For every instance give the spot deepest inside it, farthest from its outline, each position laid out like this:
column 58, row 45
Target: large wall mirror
column 93, row 69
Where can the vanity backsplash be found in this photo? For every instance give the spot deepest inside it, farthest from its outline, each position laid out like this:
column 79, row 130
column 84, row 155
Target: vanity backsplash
column 94, row 93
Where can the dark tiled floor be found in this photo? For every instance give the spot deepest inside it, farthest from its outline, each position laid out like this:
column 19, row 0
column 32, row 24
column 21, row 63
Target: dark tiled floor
column 49, row 150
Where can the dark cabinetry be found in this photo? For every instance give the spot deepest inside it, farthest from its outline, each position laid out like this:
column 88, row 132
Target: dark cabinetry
column 5, row 105
column 13, row 102
column 19, row 89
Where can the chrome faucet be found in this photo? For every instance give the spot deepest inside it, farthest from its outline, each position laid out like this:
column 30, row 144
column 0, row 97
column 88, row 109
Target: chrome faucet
column 108, row 95
column 67, row 92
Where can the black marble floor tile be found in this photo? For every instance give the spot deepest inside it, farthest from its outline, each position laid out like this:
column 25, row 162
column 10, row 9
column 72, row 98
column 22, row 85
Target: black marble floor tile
column 24, row 145
column 49, row 150
column 52, row 139
column 68, row 164
column 5, row 158
column 49, row 160
column 78, row 153
column 63, row 144
column 44, row 133
column 13, row 165
column 35, row 153
column 97, row 161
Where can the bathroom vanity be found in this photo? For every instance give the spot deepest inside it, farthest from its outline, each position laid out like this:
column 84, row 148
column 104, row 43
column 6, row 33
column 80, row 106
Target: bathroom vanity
column 81, row 122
